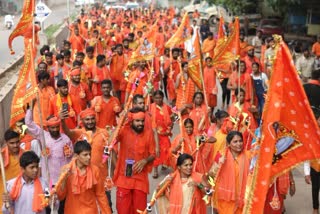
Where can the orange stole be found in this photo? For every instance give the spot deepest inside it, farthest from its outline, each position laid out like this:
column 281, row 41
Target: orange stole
column 231, row 183
column 184, row 96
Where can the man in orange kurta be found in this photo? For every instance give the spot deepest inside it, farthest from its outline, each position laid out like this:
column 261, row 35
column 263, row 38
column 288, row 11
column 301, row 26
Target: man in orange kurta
column 208, row 45
column 95, row 136
column 209, row 76
column 46, row 92
column 89, row 60
column 77, row 42
column 106, row 106
column 83, row 187
column 160, row 41
column 135, row 157
column 119, row 63
column 10, row 154
column 98, row 73
column 316, row 47
column 79, row 92
column 63, row 100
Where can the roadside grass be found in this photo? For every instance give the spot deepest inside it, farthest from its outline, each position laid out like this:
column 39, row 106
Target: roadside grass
column 49, row 31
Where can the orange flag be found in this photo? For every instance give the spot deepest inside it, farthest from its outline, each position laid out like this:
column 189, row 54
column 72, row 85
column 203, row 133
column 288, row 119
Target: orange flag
column 194, row 63
column 289, row 132
column 182, row 33
column 24, row 23
column 221, row 29
column 229, row 50
column 26, row 87
column 146, row 52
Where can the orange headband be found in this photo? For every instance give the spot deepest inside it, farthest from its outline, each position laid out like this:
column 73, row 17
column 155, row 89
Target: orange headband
column 53, row 121
column 87, row 112
column 75, row 72
column 136, row 116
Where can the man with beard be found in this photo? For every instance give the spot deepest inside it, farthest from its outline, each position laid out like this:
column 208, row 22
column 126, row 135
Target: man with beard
column 99, row 72
column 126, row 49
column 58, row 146
column 135, row 157
column 119, row 62
column 79, row 92
column 250, row 58
column 95, row 136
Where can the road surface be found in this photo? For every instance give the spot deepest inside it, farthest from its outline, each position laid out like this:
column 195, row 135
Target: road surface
column 57, row 16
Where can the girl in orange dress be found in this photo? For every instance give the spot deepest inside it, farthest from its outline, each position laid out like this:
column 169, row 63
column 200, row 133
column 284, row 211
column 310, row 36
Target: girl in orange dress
column 161, row 117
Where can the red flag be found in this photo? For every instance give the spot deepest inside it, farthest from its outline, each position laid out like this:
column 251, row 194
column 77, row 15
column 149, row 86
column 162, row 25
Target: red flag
column 26, row 87
column 24, row 23
column 289, row 132
column 194, row 63
column 227, row 50
column 182, row 33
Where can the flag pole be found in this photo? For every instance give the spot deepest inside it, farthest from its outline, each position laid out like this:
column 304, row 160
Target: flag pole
column 202, row 76
column 3, row 175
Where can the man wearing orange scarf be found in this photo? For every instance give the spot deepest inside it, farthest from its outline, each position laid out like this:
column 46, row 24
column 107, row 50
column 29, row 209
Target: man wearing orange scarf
column 83, row 188
column 135, row 157
column 62, row 101
column 10, row 154
column 24, row 190
column 96, row 137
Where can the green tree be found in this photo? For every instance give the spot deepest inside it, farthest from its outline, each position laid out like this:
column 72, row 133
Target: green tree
column 283, row 6
column 238, row 7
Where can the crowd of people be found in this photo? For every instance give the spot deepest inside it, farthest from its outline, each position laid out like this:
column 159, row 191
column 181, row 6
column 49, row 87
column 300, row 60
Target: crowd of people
column 107, row 118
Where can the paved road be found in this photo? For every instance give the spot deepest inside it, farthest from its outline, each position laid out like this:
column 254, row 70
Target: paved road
column 57, row 16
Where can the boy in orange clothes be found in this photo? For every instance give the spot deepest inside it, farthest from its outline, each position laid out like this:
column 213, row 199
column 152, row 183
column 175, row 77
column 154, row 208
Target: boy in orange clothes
column 83, row 187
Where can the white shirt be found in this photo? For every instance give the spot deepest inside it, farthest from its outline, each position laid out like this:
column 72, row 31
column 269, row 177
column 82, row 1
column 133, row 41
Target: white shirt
column 305, row 65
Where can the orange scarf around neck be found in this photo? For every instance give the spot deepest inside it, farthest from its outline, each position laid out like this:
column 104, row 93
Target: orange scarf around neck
column 6, row 155
column 76, row 184
column 38, row 191
column 226, row 178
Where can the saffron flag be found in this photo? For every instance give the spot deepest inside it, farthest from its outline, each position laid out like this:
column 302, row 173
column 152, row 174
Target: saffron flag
column 221, row 30
column 194, row 70
column 182, row 33
column 26, row 87
column 227, row 50
column 289, row 132
column 24, row 24
column 146, row 51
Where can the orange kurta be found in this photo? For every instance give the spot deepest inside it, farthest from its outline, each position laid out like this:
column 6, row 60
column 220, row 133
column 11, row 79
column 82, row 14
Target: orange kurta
column 245, row 83
column 86, row 201
column 208, row 46
column 54, row 109
column 117, row 67
column 97, row 140
column 209, row 76
column 98, row 74
column 80, row 96
column 199, row 114
column 77, row 43
column 136, row 147
column 45, row 94
column 161, row 118
column 185, row 92
column 106, row 110
column 231, row 184
column 141, row 77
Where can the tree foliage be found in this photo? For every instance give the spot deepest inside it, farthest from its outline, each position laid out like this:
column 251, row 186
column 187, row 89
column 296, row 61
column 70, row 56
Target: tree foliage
column 283, row 6
column 238, row 7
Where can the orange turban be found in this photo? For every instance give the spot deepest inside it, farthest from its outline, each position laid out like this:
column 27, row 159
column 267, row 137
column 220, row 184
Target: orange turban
column 75, row 72
column 53, row 121
column 136, row 116
column 87, row 112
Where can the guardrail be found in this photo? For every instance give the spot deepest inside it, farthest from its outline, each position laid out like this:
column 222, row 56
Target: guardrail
column 6, row 92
